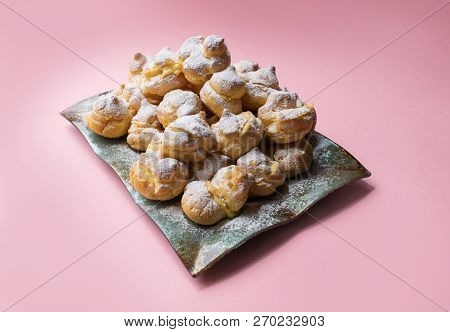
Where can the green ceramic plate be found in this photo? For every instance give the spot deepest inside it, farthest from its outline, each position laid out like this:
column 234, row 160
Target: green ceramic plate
column 199, row 247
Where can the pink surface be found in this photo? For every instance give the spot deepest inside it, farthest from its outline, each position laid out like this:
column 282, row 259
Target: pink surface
column 58, row 200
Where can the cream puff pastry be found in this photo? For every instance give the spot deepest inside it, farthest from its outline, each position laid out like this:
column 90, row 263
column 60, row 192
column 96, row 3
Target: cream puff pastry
column 201, row 57
column 285, row 118
column 131, row 93
column 295, row 158
column 178, row 103
column 157, row 178
column 187, row 139
column 230, row 188
column 137, row 64
column 268, row 174
column 237, row 134
column 206, row 203
column 199, row 205
column 223, row 91
column 258, row 83
column 110, row 116
column 207, row 168
column 144, row 127
column 161, row 74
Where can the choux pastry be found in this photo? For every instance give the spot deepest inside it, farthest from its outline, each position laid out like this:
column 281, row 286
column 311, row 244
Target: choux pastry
column 196, row 126
column 161, row 74
column 208, row 202
column 258, row 83
column 237, row 134
column 220, row 132
column 110, row 116
column 268, row 174
column 178, row 103
column 230, row 188
column 295, row 158
column 245, row 66
column 187, row 139
column 131, row 93
column 206, row 169
column 137, row 64
column 144, row 127
column 139, row 139
column 158, row 178
column 285, row 118
column 201, row 57
column 199, row 204
column 223, row 91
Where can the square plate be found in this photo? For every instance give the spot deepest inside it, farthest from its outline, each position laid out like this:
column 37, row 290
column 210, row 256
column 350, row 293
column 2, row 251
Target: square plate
column 199, row 247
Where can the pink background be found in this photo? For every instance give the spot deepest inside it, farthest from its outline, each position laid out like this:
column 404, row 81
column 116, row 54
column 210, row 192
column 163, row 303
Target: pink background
column 58, row 200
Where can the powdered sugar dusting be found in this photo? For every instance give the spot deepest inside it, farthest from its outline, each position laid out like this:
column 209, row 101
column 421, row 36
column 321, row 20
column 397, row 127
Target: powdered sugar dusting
column 111, row 106
column 164, row 56
column 137, row 63
column 201, row 57
column 207, row 168
column 195, row 125
column 230, row 123
column 198, row 198
column 147, row 112
column 228, row 83
column 246, row 66
column 281, row 100
column 181, row 102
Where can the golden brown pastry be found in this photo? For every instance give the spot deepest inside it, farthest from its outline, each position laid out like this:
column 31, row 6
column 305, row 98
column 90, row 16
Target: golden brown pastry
column 207, row 168
column 268, row 174
column 223, row 91
column 199, row 204
column 246, row 66
column 139, row 139
column 161, row 74
column 208, row 202
column 230, row 188
column 285, row 118
column 237, row 134
column 157, row 178
column 201, row 57
column 144, row 127
column 258, row 83
column 187, row 139
column 137, row 64
column 131, row 93
column 110, row 116
column 295, row 158
column 178, row 103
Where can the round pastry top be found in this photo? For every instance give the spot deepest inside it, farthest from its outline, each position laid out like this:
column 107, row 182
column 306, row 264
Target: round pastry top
column 254, row 159
column 231, row 124
column 246, row 66
column 137, row 63
column 164, row 63
column 228, row 83
column 195, row 125
column 282, row 100
column 147, row 112
column 163, row 168
column 184, row 102
column 111, row 106
column 204, row 55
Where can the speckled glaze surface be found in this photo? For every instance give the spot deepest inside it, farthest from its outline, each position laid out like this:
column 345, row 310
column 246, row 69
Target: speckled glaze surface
column 199, row 247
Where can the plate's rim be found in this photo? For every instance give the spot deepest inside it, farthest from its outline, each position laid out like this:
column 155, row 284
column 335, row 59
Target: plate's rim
column 365, row 174
column 195, row 273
